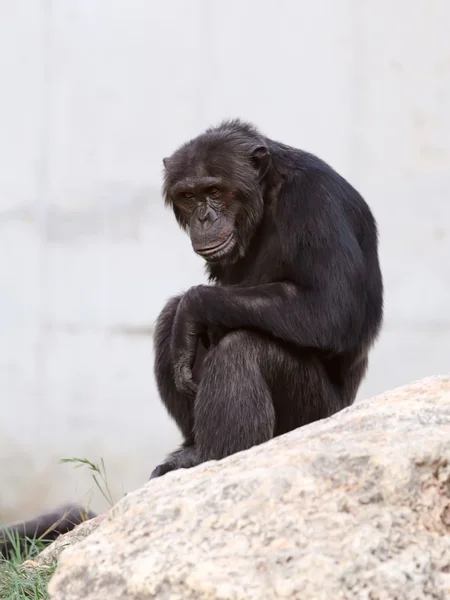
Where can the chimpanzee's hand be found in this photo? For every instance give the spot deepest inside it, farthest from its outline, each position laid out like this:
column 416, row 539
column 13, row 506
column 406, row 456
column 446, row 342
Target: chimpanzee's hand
column 187, row 329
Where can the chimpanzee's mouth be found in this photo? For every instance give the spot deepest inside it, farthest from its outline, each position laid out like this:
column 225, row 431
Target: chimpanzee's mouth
column 216, row 252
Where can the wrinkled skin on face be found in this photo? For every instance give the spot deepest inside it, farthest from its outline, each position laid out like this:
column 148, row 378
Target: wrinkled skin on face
column 213, row 184
column 209, row 208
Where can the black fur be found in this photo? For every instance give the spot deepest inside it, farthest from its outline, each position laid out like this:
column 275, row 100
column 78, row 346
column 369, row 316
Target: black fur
column 45, row 528
column 282, row 336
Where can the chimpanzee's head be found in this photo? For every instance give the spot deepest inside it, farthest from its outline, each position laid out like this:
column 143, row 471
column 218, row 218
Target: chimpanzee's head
column 215, row 185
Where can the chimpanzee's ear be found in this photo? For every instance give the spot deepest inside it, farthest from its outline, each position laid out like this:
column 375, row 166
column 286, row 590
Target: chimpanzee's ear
column 260, row 158
column 165, row 162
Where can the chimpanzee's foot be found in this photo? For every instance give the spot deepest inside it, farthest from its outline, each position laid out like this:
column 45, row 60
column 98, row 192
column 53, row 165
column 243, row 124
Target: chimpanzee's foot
column 185, row 458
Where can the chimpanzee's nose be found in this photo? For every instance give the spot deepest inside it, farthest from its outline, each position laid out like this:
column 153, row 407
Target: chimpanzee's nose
column 206, row 216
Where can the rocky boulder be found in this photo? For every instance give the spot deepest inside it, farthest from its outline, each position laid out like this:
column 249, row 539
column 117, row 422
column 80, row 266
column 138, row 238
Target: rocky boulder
column 354, row 507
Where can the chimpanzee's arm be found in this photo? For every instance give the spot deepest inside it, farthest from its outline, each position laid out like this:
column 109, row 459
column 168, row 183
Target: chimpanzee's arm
column 324, row 313
column 304, row 318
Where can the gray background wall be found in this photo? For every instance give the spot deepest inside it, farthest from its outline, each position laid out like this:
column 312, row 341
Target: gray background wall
column 92, row 95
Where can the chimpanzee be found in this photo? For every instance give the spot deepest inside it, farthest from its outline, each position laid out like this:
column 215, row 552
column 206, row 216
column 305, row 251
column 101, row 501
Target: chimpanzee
column 281, row 336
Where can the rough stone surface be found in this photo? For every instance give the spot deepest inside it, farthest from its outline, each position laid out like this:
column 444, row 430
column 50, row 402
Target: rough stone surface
column 355, row 507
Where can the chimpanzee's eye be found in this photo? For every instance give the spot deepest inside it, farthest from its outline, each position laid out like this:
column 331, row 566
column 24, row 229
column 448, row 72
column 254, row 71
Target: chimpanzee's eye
column 213, row 192
column 188, row 195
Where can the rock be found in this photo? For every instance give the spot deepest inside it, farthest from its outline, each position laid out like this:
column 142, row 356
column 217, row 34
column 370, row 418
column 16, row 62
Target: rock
column 354, row 507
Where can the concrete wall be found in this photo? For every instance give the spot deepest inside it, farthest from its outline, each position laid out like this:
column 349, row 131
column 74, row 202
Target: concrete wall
column 93, row 95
